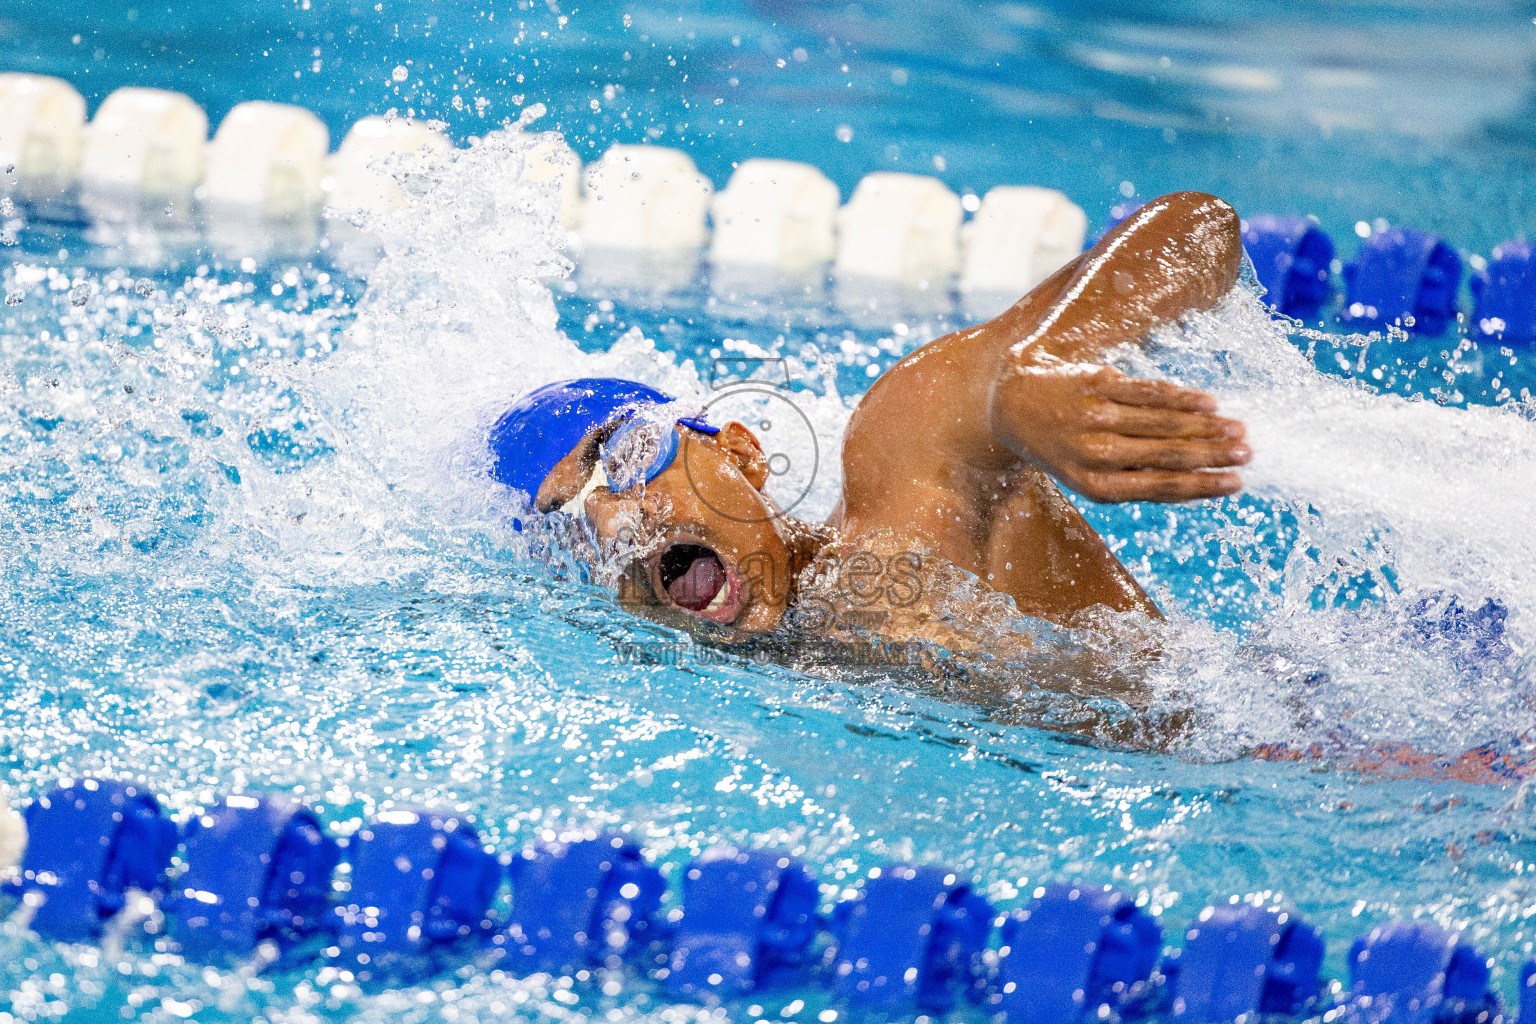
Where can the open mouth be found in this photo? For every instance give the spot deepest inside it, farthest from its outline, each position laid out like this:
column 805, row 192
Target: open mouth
column 698, row 582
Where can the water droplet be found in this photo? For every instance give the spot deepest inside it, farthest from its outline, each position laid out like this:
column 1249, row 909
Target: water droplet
column 400, row 74
column 79, row 295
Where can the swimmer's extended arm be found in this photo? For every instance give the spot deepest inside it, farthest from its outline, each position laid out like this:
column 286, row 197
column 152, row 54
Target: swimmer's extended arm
column 952, row 446
column 1029, row 385
column 1107, row 436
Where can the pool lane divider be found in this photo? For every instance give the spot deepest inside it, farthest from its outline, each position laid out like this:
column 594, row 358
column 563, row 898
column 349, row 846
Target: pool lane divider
column 749, row 925
column 255, row 869
column 1403, row 275
column 89, row 843
column 420, row 884
column 257, row 882
column 147, row 146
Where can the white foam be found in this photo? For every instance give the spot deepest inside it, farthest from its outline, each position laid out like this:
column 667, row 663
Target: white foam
column 775, row 213
column 1421, row 500
column 42, row 126
column 551, row 162
column 1417, row 475
column 457, row 322
column 269, row 157
column 145, row 142
column 1445, row 483
column 377, row 154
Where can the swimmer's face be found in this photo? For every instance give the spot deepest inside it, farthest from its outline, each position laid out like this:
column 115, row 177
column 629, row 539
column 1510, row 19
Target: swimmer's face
column 701, row 540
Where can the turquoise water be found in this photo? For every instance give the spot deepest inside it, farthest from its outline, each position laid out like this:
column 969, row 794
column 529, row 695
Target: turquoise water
column 247, row 543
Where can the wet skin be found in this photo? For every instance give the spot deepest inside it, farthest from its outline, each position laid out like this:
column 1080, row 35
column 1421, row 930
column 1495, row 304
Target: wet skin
column 958, row 448
column 710, row 497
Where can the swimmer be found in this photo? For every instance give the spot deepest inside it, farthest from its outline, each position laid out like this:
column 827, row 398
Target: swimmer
column 953, row 458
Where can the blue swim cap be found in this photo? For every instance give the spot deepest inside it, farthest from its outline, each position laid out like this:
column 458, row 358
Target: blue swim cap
column 542, row 428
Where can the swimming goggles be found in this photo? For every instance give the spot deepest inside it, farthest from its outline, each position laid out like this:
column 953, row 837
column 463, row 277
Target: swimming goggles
column 635, row 454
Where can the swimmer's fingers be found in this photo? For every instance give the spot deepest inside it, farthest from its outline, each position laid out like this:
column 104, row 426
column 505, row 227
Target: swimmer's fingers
column 1136, row 421
column 1156, row 485
column 1109, row 452
column 1151, row 394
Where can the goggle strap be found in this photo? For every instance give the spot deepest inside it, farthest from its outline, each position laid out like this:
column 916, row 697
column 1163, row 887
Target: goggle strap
column 698, row 423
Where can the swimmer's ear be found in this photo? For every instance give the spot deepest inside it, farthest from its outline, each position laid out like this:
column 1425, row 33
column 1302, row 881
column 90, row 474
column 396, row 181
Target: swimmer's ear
column 739, row 443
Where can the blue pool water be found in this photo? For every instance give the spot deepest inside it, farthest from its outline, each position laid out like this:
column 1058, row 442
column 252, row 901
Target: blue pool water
column 246, row 542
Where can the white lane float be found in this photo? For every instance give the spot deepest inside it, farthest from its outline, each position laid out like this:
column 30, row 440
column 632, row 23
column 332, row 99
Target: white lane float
column 552, row 162
column 775, row 213
column 1020, row 236
column 268, row 160
column 644, row 198
column 268, row 157
column 145, row 142
column 13, row 836
column 365, row 172
column 900, row 228
column 42, row 129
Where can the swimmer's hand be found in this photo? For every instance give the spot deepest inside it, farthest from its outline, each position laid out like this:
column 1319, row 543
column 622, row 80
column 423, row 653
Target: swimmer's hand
column 1113, row 438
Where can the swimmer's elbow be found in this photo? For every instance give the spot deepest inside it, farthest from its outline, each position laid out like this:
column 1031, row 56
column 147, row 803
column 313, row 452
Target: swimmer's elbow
column 1214, row 232
column 1213, row 211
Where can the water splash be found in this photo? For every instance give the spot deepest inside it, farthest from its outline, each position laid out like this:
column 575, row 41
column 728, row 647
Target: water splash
column 1391, row 591
column 250, row 543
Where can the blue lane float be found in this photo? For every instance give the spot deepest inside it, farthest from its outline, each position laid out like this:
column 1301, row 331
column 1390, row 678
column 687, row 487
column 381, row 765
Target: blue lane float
column 1506, row 295
column 419, row 896
column 420, row 884
column 1400, row 277
column 1073, row 950
column 89, row 842
column 748, row 921
column 585, row 901
column 910, row 941
column 1291, row 256
column 258, row 870
column 1240, row 959
column 1410, row 972
column 1403, row 276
